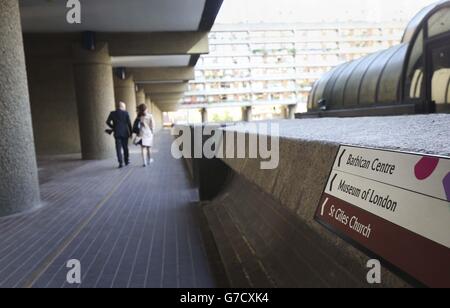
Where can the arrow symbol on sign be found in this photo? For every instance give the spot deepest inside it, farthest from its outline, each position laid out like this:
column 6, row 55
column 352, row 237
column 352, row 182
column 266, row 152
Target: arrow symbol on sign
column 340, row 158
column 323, row 207
column 332, row 182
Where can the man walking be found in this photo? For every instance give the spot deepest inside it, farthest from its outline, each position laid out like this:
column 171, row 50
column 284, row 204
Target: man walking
column 120, row 123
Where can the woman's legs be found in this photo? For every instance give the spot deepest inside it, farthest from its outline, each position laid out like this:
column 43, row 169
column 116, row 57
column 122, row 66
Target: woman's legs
column 149, row 149
column 144, row 155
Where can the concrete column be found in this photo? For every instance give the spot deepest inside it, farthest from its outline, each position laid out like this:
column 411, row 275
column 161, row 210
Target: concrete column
column 204, row 113
column 157, row 116
column 125, row 91
column 140, row 97
column 95, row 99
column 289, row 112
column 19, row 187
column 247, row 114
column 53, row 100
column 148, row 102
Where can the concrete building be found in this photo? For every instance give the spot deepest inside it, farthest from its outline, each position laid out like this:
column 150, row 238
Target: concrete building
column 272, row 67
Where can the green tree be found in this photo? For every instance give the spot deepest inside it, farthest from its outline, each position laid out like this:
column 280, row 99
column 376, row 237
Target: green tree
column 223, row 117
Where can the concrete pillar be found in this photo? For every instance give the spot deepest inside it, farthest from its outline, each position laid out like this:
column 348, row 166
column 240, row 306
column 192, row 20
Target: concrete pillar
column 289, row 112
column 19, row 186
column 148, row 102
column 204, row 113
column 53, row 100
column 247, row 114
column 157, row 116
column 95, row 99
column 125, row 91
column 140, row 97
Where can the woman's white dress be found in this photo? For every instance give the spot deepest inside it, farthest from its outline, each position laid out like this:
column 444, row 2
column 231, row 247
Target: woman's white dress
column 146, row 132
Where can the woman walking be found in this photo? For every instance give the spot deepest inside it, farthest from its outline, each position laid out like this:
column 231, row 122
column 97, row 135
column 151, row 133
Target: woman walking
column 145, row 128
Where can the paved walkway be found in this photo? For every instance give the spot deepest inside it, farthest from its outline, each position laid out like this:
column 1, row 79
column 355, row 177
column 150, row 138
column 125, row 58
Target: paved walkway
column 134, row 227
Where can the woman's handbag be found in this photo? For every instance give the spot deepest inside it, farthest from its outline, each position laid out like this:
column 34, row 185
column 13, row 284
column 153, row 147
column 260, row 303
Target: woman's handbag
column 137, row 126
column 137, row 140
column 137, row 130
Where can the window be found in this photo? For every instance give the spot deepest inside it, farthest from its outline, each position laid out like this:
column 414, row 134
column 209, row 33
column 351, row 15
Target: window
column 413, row 84
column 440, row 84
column 439, row 23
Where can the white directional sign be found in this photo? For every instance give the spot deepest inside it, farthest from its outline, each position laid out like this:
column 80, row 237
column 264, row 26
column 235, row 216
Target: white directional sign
column 395, row 204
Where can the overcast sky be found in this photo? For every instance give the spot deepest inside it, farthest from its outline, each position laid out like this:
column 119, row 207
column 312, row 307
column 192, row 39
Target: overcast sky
column 275, row 11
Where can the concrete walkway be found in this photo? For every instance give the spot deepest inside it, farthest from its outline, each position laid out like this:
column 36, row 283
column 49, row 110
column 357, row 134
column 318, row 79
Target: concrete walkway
column 134, row 227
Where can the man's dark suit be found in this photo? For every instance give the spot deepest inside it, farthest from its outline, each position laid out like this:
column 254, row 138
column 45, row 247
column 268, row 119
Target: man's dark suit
column 119, row 121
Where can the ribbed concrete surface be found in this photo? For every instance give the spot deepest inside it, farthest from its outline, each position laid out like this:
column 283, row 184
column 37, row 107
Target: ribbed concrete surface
column 133, row 227
column 263, row 244
column 53, row 102
column 19, row 189
column 140, row 97
column 125, row 91
column 95, row 99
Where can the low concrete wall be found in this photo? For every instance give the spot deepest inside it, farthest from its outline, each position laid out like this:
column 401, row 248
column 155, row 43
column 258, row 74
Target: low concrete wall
column 263, row 221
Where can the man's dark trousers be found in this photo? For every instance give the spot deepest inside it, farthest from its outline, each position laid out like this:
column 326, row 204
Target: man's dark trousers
column 122, row 144
column 119, row 121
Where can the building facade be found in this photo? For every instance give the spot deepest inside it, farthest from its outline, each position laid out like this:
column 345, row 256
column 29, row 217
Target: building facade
column 270, row 66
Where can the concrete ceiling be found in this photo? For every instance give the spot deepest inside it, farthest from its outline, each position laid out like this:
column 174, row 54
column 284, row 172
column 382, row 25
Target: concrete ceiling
column 151, row 61
column 168, row 108
column 140, row 34
column 113, row 15
column 162, row 88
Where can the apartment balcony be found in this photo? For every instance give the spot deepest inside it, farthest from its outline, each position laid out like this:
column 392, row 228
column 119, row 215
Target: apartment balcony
column 222, row 91
column 301, row 39
column 247, row 103
column 299, row 63
column 281, row 77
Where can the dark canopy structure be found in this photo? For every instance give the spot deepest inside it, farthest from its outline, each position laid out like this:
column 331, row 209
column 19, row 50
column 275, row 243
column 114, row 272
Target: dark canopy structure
column 413, row 77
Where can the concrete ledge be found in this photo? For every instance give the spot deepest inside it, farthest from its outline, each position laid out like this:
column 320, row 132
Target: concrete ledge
column 289, row 195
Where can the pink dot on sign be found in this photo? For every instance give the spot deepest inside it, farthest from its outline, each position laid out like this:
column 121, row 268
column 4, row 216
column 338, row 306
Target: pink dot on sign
column 446, row 182
column 425, row 167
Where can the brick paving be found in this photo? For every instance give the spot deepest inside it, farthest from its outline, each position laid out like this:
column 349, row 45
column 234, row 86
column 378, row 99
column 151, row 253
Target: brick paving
column 133, row 227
